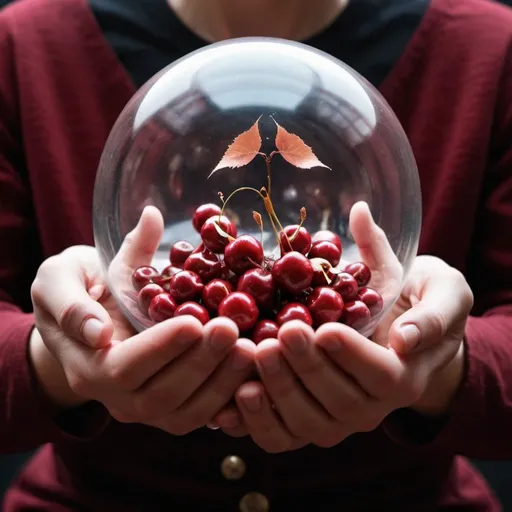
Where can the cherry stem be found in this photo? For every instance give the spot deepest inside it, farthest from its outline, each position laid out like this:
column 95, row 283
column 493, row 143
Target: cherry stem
column 255, row 264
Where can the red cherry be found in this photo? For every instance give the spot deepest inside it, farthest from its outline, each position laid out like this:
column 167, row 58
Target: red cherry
column 161, row 307
column 294, row 311
column 180, row 251
column 325, row 305
column 199, row 248
column 372, row 299
column 203, row 213
column 355, row 314
column 205, row 264
column 301, row 243
column 260, row 285
column 241, row 308
column 243, row 253
column 322, row 268
column 346, row 285
column 328, row 236
column 144, row 275
column 214, row 293
column 146, row 295
column 293, row 272
column 264, row 330
column 193, row 309
column 225, row 273
column 212, row 239
column 185, row 286
column 165, row 276
column 325, row 250
column 360, row 272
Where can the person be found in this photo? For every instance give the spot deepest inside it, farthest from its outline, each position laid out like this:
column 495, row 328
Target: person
column 341, row 423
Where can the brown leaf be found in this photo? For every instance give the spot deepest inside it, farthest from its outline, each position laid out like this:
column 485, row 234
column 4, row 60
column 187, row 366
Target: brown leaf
column 242, row 150
column 294, row 150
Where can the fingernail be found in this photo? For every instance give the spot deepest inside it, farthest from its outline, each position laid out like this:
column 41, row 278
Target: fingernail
column 270, row 363
column 252, row 403
column 240, row 361
column 218, row 341
column 411, row 336
column 296, row 342
column 92, row 329
column 212, row 426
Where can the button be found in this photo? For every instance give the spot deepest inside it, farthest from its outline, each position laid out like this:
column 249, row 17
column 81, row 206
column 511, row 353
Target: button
column 254, row 502
column 233, row 467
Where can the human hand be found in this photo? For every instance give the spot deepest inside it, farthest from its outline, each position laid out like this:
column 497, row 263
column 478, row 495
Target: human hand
column 174, row 376
column 321, row 387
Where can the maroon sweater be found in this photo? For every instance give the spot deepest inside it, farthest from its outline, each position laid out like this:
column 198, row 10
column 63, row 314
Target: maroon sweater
column 62, row 88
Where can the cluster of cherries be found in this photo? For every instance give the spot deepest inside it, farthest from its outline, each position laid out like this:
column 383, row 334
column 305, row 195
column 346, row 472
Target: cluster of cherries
column 229, row 275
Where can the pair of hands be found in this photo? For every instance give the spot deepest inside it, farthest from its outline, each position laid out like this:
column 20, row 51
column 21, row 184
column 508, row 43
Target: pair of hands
column 315, row 388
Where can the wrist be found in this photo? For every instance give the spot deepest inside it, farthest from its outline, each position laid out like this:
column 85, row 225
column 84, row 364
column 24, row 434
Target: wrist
column 50, row 375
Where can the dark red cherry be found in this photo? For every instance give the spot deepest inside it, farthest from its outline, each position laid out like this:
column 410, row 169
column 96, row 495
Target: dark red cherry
column 293, row 272
column 328, row 236
column 144, row 275
column 360, row 272
column 243, row 253
column 346, row 285
column 322, row 269
column 203, row 213
column 165, row 276
column 185, row 286
column 241, row 308
column 205, row 264
column 372, row 299
column 161, row 307
column 214, row 293
column 260, row 285
column 193, row 309
column 325, row 305
column 212, row 239
column 199, row 248
column 294, row 311
column 300, row 243
column 325, row 250
column 355, row 314
column 264, row 330
column 179, row 253
column 225, row 273
column 146, row 295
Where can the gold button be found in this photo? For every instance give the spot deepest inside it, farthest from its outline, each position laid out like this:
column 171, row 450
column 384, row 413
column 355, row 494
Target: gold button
column 233, row 467
column 254, row 502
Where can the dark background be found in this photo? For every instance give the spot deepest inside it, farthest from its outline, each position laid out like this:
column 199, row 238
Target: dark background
column 499, row 474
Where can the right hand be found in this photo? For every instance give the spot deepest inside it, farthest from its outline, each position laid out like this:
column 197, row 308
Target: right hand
column 174, row 376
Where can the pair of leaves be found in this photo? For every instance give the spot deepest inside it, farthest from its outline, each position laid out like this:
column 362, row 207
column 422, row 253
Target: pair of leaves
column 247, row 145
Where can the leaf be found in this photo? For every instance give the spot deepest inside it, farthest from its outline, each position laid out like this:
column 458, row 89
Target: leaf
column 295, row 151
column 242, row 150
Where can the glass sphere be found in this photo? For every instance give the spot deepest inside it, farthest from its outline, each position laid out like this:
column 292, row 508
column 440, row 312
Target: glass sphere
column 300, row 137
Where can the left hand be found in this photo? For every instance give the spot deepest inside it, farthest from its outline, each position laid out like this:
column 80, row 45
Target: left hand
column 327, row 385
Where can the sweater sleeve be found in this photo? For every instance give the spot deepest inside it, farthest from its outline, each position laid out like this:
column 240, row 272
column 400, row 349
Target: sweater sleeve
column 27, row 418
column 479, row 424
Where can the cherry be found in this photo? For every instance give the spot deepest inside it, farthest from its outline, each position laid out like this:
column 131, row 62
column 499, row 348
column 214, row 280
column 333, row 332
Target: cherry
column 205, row 264
column 225, row 273
column 293, row 272
column 180, row 251
column 301, row 243
column 161, row 307
column 241, row 308
column 144, row 275
column 325, row 305
column 260, row 285
column 325, row 250
column 328, row 236
column 214, row 293
column 346, row 285
column 264, row 330
column 185, row 286
column 203, row 213
column 165, row 276
column 294, row 311
column 193, row 309
column 372, row 299
column 212, row 239
column 360, row 272
column 355, row 314
column 199, row 248
column 243, row 253
column 322, row 268
column 146, row 295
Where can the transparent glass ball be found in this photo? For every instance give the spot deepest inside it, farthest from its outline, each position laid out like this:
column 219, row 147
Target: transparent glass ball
column 340, row 143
